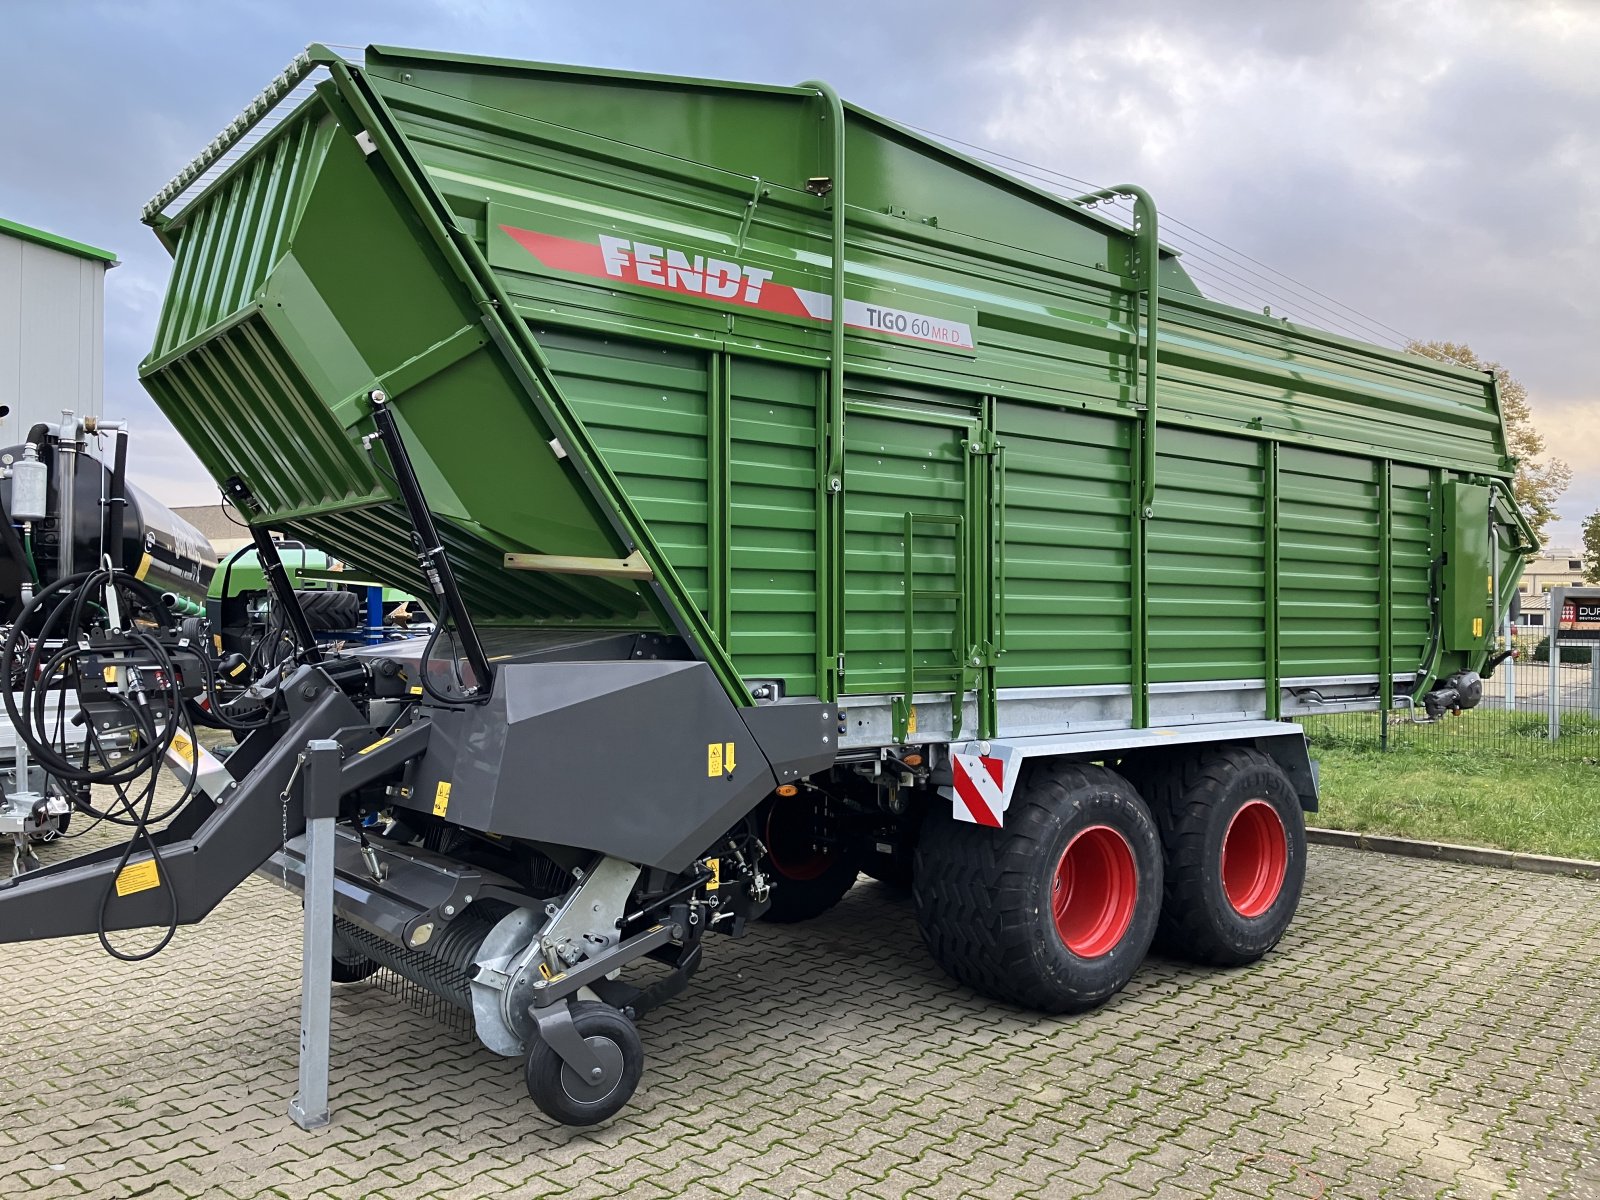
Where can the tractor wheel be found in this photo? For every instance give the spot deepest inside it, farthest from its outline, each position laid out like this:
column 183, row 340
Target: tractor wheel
column 1055, row 910
column 559, row 1091
column 1235, row 842
column 811, row 870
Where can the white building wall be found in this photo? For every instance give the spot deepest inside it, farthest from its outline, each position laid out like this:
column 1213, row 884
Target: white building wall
column 52, row 335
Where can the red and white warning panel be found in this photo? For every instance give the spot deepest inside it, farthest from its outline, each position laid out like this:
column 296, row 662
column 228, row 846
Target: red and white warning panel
column 980, row 792
column 649, row 262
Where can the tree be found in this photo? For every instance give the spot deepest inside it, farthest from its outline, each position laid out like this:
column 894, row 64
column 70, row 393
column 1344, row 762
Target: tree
column 1591, row 548
column 1538, row 484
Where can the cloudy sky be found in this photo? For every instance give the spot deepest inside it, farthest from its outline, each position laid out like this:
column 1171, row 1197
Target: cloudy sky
column 1435, row 166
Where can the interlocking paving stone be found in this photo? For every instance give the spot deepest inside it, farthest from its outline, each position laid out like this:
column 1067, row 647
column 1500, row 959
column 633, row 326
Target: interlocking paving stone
column 1425, row 1029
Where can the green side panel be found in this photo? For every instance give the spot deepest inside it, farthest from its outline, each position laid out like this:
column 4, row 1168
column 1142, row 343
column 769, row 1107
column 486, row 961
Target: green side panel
column 303, row 279
column 489, row 266
column 1510, row 553
column 645, row 408
column 1467, row 574
column 1206, row 572
column 1219, row 365
column 1068, row 539
column 904, row 458
column 239, row 398
column 230, row 246
column 1411, row 556
column 772, row 487
column 1328, row 547
column 687, row 128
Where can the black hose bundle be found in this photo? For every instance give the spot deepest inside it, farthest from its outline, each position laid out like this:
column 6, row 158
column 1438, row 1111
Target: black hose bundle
column 64, row 615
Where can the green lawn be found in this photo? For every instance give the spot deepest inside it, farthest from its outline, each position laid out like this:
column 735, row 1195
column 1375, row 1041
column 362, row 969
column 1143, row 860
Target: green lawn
column 1477, row 798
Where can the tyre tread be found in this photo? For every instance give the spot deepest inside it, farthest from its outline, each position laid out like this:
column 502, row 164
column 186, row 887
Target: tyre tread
column 1183, row 792
column 971, row 886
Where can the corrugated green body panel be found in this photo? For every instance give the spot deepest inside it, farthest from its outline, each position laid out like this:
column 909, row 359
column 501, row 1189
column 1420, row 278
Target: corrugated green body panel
column 1067, row 606
column 1206, row 573
column 645, row 407
column 1411, row 556
column 770, row 619
column 236, row 240
column 1328, row 522
column 602, row 304
column 1468, row 577
column 300, row 283
column 908, row 492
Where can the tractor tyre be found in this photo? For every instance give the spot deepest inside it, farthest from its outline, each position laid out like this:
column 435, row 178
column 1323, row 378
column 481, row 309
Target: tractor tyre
column 811, row 871
column 1235, row 843
column 1055, row 910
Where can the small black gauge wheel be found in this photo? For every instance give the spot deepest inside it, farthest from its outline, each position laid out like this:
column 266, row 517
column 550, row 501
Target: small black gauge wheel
column 562, row 1094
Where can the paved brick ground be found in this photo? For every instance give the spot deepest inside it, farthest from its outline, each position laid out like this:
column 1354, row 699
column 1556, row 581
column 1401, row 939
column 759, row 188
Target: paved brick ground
column 1424, row 1030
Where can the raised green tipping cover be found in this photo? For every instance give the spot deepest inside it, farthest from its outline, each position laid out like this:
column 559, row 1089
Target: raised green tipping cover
column 602, row 304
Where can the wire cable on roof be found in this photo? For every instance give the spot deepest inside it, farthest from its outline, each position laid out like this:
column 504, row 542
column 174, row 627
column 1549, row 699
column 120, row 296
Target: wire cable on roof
column 1213, row 259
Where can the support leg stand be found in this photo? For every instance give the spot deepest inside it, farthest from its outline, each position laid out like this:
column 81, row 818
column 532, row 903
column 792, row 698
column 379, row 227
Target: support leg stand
column 309, row 1108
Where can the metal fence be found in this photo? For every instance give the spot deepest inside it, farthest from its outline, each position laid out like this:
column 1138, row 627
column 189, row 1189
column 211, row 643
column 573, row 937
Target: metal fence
column 1527, row 710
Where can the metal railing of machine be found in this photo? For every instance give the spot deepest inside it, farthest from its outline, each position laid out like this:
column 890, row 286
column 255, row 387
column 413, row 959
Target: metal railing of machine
column 300, row 67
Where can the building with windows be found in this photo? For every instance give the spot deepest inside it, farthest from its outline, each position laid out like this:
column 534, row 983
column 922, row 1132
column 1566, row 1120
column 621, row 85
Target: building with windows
column 1556, row 567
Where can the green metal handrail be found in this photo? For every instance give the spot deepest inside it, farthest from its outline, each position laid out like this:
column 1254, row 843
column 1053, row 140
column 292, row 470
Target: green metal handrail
column 835, row 471
column 1147, row 243
column 1530, row 540
column 308, row 60
column 1147, row 262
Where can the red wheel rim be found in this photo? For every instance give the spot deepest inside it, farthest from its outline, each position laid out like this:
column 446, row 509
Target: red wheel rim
column 791, row 834
column 1093, row 894
column 1255, row 858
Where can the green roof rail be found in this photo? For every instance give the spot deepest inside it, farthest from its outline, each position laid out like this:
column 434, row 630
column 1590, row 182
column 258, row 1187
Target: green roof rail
column 55, row 241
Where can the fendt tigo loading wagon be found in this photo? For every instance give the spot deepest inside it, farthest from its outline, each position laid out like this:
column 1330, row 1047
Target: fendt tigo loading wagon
column 798, row 497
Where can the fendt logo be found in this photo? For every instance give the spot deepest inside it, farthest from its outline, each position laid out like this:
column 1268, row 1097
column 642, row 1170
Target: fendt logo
column 654, row 266
column 670, row 269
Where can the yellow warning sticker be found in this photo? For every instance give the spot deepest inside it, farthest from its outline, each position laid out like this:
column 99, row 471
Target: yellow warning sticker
column 374, row 746
column 1477, row 627
column 911, row 721
column 416, row 689
column 441, row 799
column 1490, row 579
column 143, row 570
column 140, row 877
column 715, row 865
column 183, row 747
column 719, row 759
